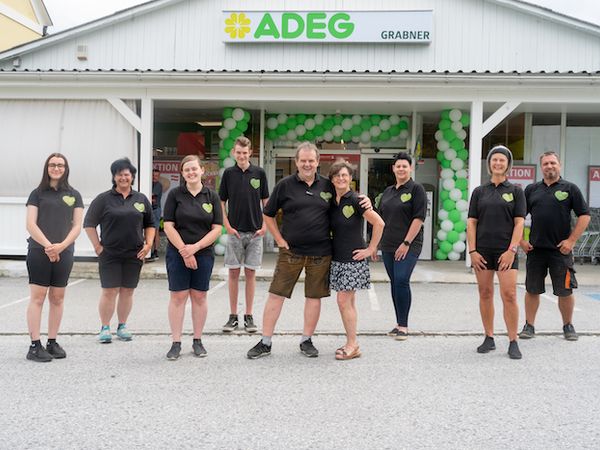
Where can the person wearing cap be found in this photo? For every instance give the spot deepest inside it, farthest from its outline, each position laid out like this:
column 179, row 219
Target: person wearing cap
column 551, row 241
column 494, row 229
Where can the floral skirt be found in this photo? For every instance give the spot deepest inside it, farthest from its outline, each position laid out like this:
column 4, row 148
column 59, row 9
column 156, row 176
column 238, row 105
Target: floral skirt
column 349, row 276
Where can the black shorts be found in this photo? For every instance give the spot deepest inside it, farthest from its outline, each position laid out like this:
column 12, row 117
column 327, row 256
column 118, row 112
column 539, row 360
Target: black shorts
column 492, row 256
column 562, row 273
column 117, row 271
column 42, row 272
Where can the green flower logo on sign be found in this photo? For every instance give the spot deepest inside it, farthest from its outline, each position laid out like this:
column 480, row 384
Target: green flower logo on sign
column 237, row 25
column 560, row 195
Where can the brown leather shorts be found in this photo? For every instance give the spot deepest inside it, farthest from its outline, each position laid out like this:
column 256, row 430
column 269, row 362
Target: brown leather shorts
column 288, row 269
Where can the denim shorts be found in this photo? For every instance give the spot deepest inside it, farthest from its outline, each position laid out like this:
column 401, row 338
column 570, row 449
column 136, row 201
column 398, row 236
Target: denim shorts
column 181, row 278
column 245, row 251
column 288, row 269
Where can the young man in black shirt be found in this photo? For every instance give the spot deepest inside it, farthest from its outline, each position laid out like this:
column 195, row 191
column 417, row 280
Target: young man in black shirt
column 243, row 192
column 551, row 242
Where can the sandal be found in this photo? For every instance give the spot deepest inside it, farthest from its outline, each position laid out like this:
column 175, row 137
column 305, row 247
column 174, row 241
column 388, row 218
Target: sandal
column 340, row 350
column 344, row 355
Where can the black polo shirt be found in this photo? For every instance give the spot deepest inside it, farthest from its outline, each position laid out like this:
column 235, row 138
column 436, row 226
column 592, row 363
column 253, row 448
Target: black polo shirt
column 346, row 220
column 305, row 208
column 550, row 208
column 122, row 221
column 193, row 216
column 398, row 208
column 243, row 190
column 55, row 213
column 495, row 208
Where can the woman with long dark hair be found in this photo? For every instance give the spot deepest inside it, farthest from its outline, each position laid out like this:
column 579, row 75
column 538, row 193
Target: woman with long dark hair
column 54, row 212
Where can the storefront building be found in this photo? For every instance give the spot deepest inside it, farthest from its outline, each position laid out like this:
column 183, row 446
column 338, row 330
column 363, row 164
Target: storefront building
column 442, row 79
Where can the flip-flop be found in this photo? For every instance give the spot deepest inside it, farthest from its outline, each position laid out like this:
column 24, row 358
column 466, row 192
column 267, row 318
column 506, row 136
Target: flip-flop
column 343, row 356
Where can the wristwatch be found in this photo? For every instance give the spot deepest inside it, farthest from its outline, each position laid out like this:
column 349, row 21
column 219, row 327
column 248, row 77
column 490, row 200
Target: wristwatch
column 407, row 243
column 514, row 248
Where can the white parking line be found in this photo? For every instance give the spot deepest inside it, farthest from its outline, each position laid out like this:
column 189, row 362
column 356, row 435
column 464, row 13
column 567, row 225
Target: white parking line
column 24, row 299
column 547, row 297
column 373, row 299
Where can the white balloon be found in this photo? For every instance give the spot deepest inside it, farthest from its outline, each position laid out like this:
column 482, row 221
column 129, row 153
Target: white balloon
column 300, row 130
column 448, row 184
column 464, row 215
column 443, row 145
column 291, row 135
column 365, row 137
column 228, row 162
column 238, row 114
column 319, row 118
column 223, row 133
column 385, row 124
column 337, row 130
column 310, row 123
column 356, row 119
column 446, row 173
column 462, row 205
column 328, row 136
column 282, row 118
column 442, row 235
column 439, row 135
column 221, row 172
column 450, row 154
column 462, row 236
column 219, row 249
column 223, row 239
column 403, row 134
column 442, row 215
column 453, row 256
column 457, row 164
column 456, row 126
column 455, row 194
column 446, row 225
column 229, row 123
column 347, row 123
column 462, row 134
column 462, row 173
column 375, row 131
column 394, row 119
column 455, row 115
column 356, row 139
column 272, row 123
column 459, row 247
column 405, row 119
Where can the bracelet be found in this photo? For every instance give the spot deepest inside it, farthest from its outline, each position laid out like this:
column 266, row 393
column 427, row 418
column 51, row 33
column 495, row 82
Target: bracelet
column 472, row 251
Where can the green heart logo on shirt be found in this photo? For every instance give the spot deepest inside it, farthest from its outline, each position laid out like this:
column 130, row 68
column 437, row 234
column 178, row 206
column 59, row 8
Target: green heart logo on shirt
column 347, row 211
column 255, row 183
column 69, row 200
column 405, row 197
column 560, row 195
column 140, row 207
column 508, row 197
column 326, row 196
column 208, row 207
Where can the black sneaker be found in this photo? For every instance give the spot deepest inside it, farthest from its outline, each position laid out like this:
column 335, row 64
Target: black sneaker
column 55, row 350
column 528, row 331
column 513, row 350
column 232, row 323
column 259, row 350
column 199, row 349
column 570, row 333
column 308, row 349
column 393, row 332
column 401, row 335
column 487, row 346
column 174, row 352
column 38, row 353
column 249, row 324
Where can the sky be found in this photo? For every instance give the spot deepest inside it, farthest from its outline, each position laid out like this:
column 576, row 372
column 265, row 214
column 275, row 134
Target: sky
column 69, row 13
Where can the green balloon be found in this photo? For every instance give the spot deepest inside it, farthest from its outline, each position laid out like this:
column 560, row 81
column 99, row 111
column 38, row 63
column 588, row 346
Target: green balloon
column 291, row 123
column 459, row 227
column 403, row 125
column 445, row 115
column 356, row 130
column 223, row 230
column 395, row 129
column 221, row 165
column 465, row 194
column 440, row 156
column 375, row 119
column 446, row 246
column 465, row 119
column 384, row 136
column 457, row 144
column 328, row 124
column 301, row 118
column 224, row 153
column 449, row 134
column 228, row 143
column 242, row 126
column 365, row 124
column 337, row 139
column 271, row 135
column 449, row 205
column 337, row 119
column 309, row 136
column 461, row 184
column 281, row 129
column 452, row 237
column 247, row 116
column 454, row 216
column 318, row 130
column 235, row 133
column 444, row 124
column 444, row 195
column 463, row 154
column 445, row 163
column 440, row 255
column 227, row 113
column 347, row 135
